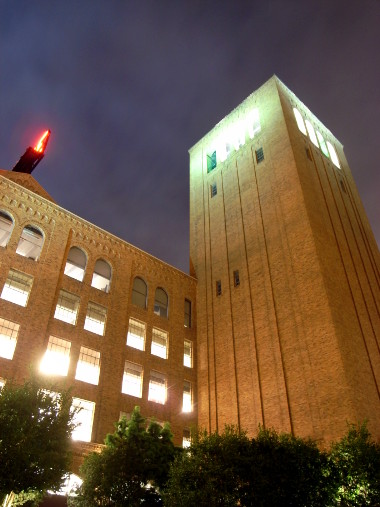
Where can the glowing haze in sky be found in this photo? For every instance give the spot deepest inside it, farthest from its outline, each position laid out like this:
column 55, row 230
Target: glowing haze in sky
column 127, row 87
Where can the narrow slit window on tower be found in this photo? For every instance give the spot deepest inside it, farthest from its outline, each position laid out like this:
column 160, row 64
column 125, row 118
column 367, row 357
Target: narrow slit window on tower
column 30, row 244
column 259, row 155
column 136, row 334
column 159, row 345
column 95, row 318
column 6, row 226
column 132, row 379
column 88, row 366
column 67, row 307
column 76, row 263
column 211, row 161
column 218, row 288
column 213, row 189
column 101, row 278
column 187, row 320
column 236, row 278
column 343, row 186
column 17, row 287
column 57, row 357
column 8, row 338
column 308, row 153
column 188, row 353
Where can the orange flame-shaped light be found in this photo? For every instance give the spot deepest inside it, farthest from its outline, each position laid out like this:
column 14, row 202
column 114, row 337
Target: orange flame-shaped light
column 41, row 145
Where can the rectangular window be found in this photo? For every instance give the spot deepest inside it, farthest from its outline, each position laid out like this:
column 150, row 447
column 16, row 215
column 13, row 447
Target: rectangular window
column 84, row 418
column 186, row 439
column 218, row 288
column 67, row 307
column 213, row 190
column 136, row 334
column 17, row 287
column 57, row 357
column 187, row 322
column 211, row 161
column 157, row 387
column 187, row 405
column 159, row 343
column 132, row 379
column 95, row 318
column 236, row 278
column 88, row 367
column 259, row 155
column 8, row 338
column 188, row 353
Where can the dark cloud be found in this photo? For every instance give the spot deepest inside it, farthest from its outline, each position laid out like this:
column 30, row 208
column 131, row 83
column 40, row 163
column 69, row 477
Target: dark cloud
column 128, row 87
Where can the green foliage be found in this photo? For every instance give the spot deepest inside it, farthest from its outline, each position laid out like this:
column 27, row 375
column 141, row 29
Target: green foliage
column 35, row 434
column 132, row 467
column 357, row 460
column 229, row 469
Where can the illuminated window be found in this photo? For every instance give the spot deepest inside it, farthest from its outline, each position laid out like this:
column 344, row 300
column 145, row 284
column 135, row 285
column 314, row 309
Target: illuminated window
column 211, row 161
column 187, row 322
column 8, row 338
column 253, row 124
column 159, row 343
column 322, row 144
column 83, row 418
column 6, row 226
column 333, row 155
column 95, row 318
column 161, row 303
column 88, row 367
column 2, row 383
column 139, row 292
column 67, row 307
column 187, row 395
column 311, row 132
column 299, row 120
column 76, row 263
column 157, row 387
column 30, row 244
column 101, row 278
column 17, row 287
column 213, row 190
column 132, row 379
column 56, row 358
column 136, row 334
column 218, row 288
column 188, row 353
column 186, row 438
column 259, row 155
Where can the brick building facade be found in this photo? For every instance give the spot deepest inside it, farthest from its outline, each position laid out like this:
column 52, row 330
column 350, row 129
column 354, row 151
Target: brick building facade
column 288, row 274
column 277, row 324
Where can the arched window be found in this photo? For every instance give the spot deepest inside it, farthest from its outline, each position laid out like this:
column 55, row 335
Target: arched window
column 6, row 226
column 139, row 292
column 161, row 303
column 299, row 120
column 30, row 244
column 101, row 279
column 76, row 263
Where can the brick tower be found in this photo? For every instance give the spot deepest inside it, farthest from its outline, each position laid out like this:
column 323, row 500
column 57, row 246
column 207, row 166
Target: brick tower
column 288, row 275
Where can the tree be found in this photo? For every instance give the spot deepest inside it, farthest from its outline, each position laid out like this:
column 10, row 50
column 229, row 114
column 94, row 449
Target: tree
column 229, row 469
column 214, row 471
column 357, row 460
column 131, row 469
column 35, row 435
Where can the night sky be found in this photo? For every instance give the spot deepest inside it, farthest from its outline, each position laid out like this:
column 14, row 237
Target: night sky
column 127, row 87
